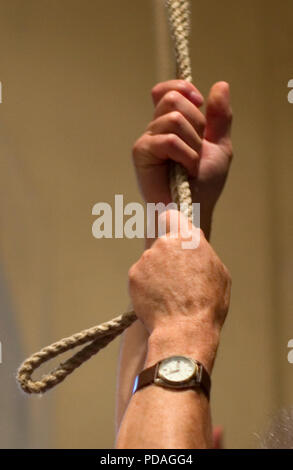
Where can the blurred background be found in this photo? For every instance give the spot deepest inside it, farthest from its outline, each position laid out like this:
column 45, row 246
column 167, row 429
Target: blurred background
column 76, row 78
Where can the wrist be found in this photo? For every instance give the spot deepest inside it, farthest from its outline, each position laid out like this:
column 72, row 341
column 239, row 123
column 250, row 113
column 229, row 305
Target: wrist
column 185, row 341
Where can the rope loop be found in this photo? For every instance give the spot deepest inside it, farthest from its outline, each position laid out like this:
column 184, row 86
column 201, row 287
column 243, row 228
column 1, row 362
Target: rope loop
column 98, row 337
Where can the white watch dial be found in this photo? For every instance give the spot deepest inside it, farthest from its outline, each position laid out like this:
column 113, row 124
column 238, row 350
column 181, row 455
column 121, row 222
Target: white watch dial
column 177, row 369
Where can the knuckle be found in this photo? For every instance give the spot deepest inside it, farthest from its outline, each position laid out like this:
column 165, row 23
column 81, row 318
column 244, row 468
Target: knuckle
column 172, row 99
column 172, row 140
column 176, row 118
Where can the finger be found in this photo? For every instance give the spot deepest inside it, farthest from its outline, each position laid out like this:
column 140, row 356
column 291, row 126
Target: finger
column 218, row 114
column 176, row 123
column 155, row 149
column 174, row 101
column 187, row 89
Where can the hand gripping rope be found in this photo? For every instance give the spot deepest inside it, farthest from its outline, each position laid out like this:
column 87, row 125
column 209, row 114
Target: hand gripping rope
column 99, row 336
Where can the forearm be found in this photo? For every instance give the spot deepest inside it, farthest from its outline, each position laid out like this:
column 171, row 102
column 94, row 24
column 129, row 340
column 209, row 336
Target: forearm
column 169, row 418
column 133, row 348
column 131, row 361
column 160, row 418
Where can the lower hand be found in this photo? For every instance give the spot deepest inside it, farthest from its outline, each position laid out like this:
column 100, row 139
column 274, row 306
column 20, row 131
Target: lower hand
column 181, row 296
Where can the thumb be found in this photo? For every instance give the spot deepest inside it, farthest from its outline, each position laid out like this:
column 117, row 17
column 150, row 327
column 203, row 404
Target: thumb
column 218, row 114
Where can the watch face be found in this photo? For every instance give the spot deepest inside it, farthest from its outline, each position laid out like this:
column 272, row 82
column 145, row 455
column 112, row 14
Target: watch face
column 177, row 369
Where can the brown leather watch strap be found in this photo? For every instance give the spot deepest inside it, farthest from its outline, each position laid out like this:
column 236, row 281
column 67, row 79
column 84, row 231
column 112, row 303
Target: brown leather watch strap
column 148, row 376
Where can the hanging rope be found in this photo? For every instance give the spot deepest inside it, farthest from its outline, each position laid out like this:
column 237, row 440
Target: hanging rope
column 99, row 336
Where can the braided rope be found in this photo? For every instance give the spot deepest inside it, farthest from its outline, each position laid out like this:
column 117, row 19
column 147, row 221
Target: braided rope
column 99, row 336
column 179, row 20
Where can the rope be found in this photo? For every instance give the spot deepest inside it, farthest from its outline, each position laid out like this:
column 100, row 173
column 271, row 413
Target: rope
column 99, row 336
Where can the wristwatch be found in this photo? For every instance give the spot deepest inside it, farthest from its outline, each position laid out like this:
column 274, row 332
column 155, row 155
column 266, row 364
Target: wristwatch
column 176, row 372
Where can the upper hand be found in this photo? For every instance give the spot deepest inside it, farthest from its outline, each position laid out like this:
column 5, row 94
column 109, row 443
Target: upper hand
column 180, row 132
